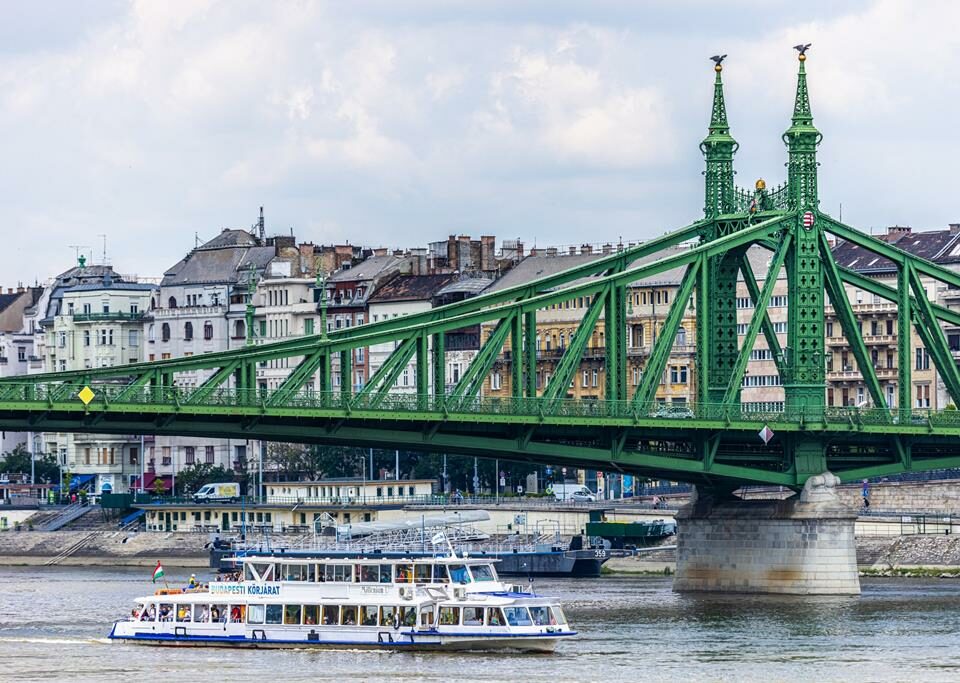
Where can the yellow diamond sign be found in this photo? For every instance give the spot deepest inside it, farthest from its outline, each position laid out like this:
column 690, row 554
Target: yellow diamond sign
column 86, row 395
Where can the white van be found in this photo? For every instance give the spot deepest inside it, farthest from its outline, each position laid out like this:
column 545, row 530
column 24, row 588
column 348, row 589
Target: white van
column 209, row 493
column 576, row 493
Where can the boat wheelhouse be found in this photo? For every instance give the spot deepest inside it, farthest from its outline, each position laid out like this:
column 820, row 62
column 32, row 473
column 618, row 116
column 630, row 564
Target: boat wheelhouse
column 424, row 603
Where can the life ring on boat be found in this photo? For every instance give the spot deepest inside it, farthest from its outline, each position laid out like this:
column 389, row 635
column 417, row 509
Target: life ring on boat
column 168, row 591
column 396, row 621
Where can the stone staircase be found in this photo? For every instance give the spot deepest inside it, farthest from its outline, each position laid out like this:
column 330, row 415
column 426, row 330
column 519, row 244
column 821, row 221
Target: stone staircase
column 66, row 515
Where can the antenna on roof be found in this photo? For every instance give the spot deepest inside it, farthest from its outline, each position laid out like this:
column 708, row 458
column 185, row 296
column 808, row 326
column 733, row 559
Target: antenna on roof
column 260, row 227
column 103, row 260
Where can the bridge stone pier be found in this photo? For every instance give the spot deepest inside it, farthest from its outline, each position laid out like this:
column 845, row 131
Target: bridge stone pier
column 802, row 545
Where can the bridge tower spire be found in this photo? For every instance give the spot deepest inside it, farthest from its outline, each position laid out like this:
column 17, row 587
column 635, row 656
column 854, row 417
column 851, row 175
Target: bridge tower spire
column 718, row 149
column 804, row 377
column 716, row 293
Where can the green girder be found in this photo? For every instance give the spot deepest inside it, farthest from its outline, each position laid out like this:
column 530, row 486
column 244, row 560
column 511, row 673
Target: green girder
column 570, row 361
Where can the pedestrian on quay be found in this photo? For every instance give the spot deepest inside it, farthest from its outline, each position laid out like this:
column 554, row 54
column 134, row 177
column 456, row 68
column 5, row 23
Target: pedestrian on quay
column 866, row 494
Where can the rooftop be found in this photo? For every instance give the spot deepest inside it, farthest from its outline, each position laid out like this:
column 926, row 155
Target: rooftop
column 366, row 270
column 411, row 288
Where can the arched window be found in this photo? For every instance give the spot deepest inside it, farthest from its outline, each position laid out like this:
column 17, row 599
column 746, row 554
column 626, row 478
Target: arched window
column 239, row 330
column 165, row 332
column 681, row 339
column 208, row 330
column 188, row 331
column 153, row 303
column 172, row 302
column 151, row 333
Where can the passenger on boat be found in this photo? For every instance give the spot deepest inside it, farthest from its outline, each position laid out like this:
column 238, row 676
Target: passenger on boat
column 193, row 582
column 166, row 613
column 214, row 615
column 236, row 614
column 493, row 618
column 204, row 615
column 148, row 614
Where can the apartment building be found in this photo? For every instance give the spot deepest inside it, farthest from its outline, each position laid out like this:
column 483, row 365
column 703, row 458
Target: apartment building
column 401, row 296
column 92, row 318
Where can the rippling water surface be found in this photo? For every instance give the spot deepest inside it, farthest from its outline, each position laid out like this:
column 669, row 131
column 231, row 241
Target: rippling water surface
column 53, row 622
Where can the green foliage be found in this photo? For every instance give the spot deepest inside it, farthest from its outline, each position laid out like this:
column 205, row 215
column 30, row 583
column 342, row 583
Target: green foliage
column 46, row 469
column 192, row 477
column 159, row 488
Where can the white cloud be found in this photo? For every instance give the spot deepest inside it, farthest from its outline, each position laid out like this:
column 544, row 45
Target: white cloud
column 361, row 122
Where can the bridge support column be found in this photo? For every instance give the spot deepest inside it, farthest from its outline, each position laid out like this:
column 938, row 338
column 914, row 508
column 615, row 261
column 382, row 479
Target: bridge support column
column 801, row 545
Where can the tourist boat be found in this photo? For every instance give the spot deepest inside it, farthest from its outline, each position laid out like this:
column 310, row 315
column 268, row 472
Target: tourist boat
column 423, row 603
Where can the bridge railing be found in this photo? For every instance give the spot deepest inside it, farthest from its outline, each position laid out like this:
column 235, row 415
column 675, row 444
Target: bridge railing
column 106, row 394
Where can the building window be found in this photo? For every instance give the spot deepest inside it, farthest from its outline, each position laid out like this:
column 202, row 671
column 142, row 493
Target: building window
column 86, row 337
column 165, row 332
column 190, row 454
column 495, row 381
column 165, row 455
column 359, row 356
column 208, row 330
column 922, row 359
column 585, row 379
column 406, row 377
column 172, row 302
column 594, row 377
column 134, row 455
column 208, row 452
column 308, row 326
column 133, row 338
column 744, row 302
column 188, row 331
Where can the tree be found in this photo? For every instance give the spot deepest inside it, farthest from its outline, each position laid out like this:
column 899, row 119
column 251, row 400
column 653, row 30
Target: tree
column 192, row 477
column 293, row 461
column 17, row 461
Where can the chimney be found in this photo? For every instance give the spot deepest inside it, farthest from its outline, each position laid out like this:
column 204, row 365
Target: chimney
column 380, row 251
column 488, row 245
column 954, row 228
column 586, row 249
column 551, row 251
column 899, row 230
column 572, row 251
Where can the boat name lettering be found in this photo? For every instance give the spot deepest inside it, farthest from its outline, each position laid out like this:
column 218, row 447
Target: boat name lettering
column 374, row 589
column 245, row 589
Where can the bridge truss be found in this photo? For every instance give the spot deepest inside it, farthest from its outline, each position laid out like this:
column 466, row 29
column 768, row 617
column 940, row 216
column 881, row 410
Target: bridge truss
column 713, row 442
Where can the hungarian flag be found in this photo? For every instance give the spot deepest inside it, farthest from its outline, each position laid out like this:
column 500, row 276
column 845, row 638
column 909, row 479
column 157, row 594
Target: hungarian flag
column 158, row 572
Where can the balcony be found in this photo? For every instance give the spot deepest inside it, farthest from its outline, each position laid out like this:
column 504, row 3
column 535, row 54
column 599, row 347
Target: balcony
column 850, row 374
column 109, row 316
column 188, row 312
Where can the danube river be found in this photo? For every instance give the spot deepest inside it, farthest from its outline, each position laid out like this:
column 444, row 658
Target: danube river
column 53, row 622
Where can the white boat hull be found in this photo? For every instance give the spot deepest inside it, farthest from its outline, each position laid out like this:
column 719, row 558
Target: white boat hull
column 380, row 639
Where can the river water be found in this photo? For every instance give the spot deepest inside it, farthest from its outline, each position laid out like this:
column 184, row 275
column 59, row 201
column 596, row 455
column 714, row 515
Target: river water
column 53, row 622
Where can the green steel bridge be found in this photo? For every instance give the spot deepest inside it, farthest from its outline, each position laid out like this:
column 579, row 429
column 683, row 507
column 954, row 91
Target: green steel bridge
column 713, row 442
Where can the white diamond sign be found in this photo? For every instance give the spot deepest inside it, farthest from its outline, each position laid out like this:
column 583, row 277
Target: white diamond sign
column 766, row 434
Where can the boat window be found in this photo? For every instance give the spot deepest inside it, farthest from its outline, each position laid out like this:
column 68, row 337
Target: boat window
column 295, row 572
column 238, row 614
column 458, row 574
column 320, row 573
column 150, row 614
column 368, row 573
column 138, row 612
column 427, row 614
column 421, row 573
column 339, row 573
column 389, row 616
column 386, row 573
column 483, row 572
column 311, row 614
column 331, row 614
column 517, row 616
column 408, row 616
column 218, row 613
column 166, row 612
column 542, row 616
column 248, row 572
column 368, row 615
column 183, row 613
column 274, row 614
column 256, row 614
column 348, row 615
column 449, row 616
column 291, row 614
column 404, row 573
column 558, row 615
column 440, row 574
column 473, row 616
column 201, row 614
column 495, row 617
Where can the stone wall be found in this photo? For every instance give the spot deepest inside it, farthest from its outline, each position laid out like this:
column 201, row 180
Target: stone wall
column 767, row 546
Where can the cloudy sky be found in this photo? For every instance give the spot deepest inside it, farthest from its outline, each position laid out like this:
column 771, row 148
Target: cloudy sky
column 397, row 123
